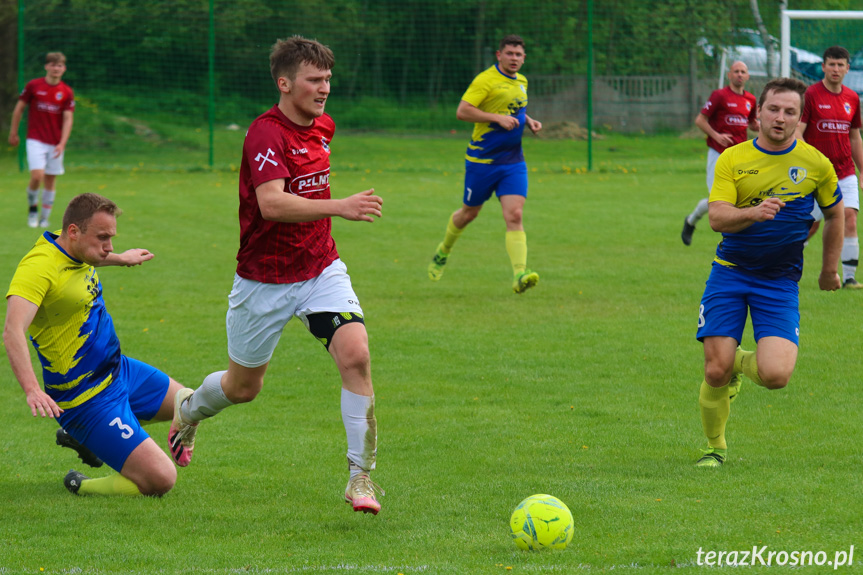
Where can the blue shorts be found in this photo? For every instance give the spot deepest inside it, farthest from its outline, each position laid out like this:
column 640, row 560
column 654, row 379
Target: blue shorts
column 772, row 304
column 109, row 424
column 480, row 180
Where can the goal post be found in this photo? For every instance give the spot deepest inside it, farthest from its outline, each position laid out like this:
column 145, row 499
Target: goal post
column 787, row 15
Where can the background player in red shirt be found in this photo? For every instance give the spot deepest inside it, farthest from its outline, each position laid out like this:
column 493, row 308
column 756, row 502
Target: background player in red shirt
column 288, row 265
column 724, row 118
column 831, row 123
column 49, row 125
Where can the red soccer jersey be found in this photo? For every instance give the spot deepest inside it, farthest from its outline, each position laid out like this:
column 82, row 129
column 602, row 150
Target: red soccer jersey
column 829, row 119
column 47, row 104
column 729, row 113
column 278, row 149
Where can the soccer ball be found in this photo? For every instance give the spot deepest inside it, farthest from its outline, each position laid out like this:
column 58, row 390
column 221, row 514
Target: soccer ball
column 541, row 521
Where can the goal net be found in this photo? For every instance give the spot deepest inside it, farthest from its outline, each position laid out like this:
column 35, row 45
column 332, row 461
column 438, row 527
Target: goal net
column 805, row 34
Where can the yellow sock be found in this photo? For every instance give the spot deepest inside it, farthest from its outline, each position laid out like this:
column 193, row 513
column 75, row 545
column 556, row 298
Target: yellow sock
column 745, row 362
column 715, row 408
column 516, row 247
column 111, row 485
column 452, row 234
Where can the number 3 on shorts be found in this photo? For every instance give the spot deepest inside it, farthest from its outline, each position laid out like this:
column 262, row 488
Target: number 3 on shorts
column 701, row 316
column 127, row 431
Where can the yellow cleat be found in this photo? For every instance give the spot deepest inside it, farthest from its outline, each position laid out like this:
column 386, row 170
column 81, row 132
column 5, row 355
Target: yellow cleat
column 734, row 386
column 712, row 458
column 524, row 281
column 436, row 266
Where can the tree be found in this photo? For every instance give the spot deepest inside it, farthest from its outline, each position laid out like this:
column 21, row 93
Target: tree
column 8, row 63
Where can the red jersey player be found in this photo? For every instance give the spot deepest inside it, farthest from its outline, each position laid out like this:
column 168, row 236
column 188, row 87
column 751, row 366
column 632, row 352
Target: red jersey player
column 49, row 125
column 724, row 118
column 831, row 123
column 288, row 264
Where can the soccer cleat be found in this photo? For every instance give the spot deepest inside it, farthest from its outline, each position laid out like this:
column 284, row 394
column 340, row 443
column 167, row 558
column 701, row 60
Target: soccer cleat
column 73, row 480
column 524, row 281
column 43, row 223
column 686, row 234
column 33, row 219
column 181, row 436
column 712, row 458
column 360, row 493
column 851, row 283
column 734, row 386
column 85, row 455
column 437, row 264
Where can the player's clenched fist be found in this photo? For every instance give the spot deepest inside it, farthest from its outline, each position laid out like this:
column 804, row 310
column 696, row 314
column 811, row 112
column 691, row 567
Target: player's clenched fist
column 768, row 209
column 362, row 206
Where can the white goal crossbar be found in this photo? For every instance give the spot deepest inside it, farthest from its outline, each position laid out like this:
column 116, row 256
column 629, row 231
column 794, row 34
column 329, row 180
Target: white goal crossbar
column 788, row 15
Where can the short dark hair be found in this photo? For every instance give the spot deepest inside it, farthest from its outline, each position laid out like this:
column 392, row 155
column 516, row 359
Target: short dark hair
column 837, row 53
column 286, row 57
column 511, row 40
column 52, row 57
column 84, row 206
column 780, row 85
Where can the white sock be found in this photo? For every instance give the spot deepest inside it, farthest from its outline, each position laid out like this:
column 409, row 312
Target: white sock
column 850, row 255
column 48, row 203
column 698, row 212
column 208, row 400
column 361, row 428
column 33, row 198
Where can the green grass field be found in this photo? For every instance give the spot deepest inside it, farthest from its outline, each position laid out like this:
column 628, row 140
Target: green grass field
column 585, row 387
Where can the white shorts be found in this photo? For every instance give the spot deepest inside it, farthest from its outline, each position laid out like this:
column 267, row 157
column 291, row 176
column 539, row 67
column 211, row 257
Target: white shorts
column 40, row 156
column 258, row 312
column 850, row 189
column 712, row 156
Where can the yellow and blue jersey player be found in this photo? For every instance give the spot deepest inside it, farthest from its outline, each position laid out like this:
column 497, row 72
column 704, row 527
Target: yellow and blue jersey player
column 98, row 395
column 496, row 102
column 761, row 201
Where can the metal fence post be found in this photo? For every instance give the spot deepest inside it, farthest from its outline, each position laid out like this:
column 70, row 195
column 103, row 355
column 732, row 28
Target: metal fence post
column 22, row 143
column 590, row 85
column 211, row 57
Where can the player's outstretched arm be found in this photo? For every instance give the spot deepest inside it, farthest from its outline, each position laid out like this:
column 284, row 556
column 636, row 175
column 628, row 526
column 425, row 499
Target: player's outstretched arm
column 361, row 207
column 129, row 258
column 729, row 219
column 278, row 206
column 19, row 316
column 833, row 236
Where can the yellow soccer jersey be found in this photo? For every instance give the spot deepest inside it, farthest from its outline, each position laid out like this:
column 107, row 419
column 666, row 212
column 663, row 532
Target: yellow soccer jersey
column 494, row 92
column 745, row 176
column 72, row 331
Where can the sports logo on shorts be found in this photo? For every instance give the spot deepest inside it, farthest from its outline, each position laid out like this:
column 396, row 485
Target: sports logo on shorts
column 796, row 174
